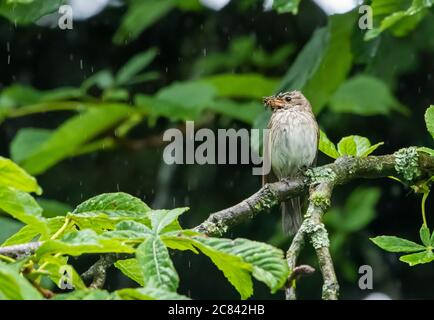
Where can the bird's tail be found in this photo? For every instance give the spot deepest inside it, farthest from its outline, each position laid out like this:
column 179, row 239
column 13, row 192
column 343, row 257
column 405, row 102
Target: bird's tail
column 291, row 216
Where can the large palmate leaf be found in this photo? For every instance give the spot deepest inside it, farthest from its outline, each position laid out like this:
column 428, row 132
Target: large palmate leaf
column 13, row 286
column 157, row 267
column 11, row 175
column 72, row 134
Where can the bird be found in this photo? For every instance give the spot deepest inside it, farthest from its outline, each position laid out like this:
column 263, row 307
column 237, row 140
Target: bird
column 290, row 147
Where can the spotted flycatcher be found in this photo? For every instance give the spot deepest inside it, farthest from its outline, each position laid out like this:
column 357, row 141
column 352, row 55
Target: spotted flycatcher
column 291, row 146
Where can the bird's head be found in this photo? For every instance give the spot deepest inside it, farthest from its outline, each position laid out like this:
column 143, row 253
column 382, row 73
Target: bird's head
column 285, row 100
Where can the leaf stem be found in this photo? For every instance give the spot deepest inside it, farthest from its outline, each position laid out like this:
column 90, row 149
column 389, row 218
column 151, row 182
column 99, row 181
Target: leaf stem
column 6, row 258
column 62, row 228
column 424, row 198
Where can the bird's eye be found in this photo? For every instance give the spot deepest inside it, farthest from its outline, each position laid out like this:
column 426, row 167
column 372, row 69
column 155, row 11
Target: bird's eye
column 288, row 99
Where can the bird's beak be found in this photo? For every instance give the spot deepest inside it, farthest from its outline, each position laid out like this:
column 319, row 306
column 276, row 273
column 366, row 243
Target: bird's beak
column 273, row 102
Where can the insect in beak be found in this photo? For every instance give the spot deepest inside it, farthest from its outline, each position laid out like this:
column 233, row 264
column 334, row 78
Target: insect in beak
column 273, row 102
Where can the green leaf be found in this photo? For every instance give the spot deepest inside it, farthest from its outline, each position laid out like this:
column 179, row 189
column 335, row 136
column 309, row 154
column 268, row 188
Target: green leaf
column 105, row 211
column 11, row 175
column 13, row 286
column 83, row 242
column 157, row 267
column 84, row 295
column 165, row 220
column 267, row 263
column 134, row 66
column 284, row 6
column 395, row 244
column 254, row 86
column 194, row 94
column 18, row 95
column 246, row 112
column 8, row 227
column 140, row 15
column 132, row 269
column 371, row 149
column 356, row 146
column 426, row 150
column 103, row 79
column 359, row 209
column 156, row 108
column 429, row 120
column 324, row 62
column 148, row 294
column 129, row 230
column 28, row 11
column 418, row 258
column 358, row 212
column 398, row 16
column 365, row 95
column 28, row 233
column 53, row 265
column 23, row 207
column 233, row 267
column 327, row 147
column 118, row 201
column 27, row 141
column 72, row 134
column 425, row 235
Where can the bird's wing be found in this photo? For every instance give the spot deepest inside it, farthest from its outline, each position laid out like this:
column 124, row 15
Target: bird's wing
column 270, row 177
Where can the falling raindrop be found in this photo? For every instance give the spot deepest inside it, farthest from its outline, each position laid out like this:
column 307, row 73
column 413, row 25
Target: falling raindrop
column 204, row 52
column 81, row 64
